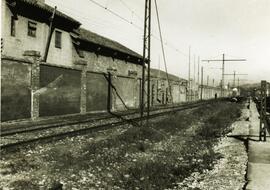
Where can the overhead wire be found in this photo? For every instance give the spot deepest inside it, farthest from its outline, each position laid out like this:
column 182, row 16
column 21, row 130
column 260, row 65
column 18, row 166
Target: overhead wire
column 116, row 14
column 131, row 10
column 82, row 16
column 68, row 11
column 138, row 27
column 233, row 56
column 97, row 24
column 163, row 50
column 106, row 8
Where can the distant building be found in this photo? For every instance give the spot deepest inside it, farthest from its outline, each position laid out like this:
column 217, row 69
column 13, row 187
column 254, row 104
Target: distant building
column 160, row 91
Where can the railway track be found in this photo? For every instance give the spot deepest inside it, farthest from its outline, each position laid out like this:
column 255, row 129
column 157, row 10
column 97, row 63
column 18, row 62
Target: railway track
column 27, row 129
column 18, row 138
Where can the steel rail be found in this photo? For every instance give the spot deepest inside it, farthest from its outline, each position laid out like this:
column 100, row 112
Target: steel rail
column 85, row 131
column 20, row 130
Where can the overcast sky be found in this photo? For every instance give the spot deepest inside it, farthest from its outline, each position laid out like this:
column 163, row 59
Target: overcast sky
column 238, row 28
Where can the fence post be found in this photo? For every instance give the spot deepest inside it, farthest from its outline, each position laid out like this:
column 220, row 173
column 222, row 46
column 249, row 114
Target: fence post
column 109, row 101
column 83, row 90
column 34, row 57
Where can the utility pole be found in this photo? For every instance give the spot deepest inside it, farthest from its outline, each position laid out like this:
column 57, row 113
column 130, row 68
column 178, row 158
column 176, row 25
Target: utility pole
column 194, row 74
column 149, row 61
column 198, row 83
column 146, row 58
column 223, row 60
column 223, row 70
column 201, row 83
column 198, row 70
column 189, row 73
column 234, row 77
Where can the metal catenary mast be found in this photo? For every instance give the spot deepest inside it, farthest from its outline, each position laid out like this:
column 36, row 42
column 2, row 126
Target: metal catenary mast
column 223, row 60
column 146, row 58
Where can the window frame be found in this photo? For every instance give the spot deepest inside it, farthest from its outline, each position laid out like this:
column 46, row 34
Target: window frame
column 58, row 39
column 32, row 29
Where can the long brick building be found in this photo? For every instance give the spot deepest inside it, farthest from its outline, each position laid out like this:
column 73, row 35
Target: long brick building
column 72, row 80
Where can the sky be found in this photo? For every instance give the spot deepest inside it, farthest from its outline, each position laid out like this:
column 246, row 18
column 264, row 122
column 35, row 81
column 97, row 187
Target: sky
column 240, row 29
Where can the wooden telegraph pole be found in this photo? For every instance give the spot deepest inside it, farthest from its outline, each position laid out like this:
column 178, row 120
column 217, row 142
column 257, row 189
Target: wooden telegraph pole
column 198, row 71
column 201, row 83
column 223, row 60
column 189, row 73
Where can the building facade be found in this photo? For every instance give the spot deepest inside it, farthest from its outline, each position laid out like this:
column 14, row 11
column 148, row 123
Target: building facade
column 50, row 66
column 73, row 78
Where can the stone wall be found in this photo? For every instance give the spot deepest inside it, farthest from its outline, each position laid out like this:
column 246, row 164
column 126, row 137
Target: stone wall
column 99, row 63
column 33, row 89
column 61, row 91
column 15, row 90
column 160, row 93
column 128, row 90
column 97, row 92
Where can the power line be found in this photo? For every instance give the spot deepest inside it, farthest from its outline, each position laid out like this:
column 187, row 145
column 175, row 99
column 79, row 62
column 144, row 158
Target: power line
column 95, row 22
column 163, row 51
column 131, row 10
column 116, row 14
column 130, row 22
column 123, row 19
column 84, row 17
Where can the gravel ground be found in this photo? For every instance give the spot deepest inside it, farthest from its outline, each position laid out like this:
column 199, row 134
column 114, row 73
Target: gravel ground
column 229, row 172
column 136, row 158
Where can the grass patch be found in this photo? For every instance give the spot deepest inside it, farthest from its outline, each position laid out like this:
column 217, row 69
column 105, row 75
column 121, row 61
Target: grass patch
column 155, row 157
column 218, row 124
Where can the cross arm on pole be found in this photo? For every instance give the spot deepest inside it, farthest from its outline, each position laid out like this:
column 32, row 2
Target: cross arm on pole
column 235, row 74
column 218, row 60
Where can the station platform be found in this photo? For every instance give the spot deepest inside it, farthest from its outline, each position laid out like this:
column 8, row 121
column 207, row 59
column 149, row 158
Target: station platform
column 258, row 172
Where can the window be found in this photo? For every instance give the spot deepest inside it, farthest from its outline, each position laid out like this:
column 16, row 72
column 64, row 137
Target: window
column 58, row 39
column 13, row 26
column 32, row 29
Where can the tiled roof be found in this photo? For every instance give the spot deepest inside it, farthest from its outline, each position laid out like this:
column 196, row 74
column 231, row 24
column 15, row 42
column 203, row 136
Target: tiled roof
column 47, row 8
column 162, row 74
column 84, row 34
column 92, row 37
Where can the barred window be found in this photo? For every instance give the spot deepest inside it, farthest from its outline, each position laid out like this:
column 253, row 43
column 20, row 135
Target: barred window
column 13, row 26
column 32, row 29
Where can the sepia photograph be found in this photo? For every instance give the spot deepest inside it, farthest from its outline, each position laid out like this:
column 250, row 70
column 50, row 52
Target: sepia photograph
column 135, row 95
